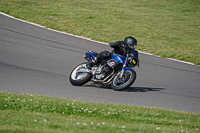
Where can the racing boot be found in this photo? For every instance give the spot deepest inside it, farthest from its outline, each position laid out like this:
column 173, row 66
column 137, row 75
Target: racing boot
column 92, row 62
column 89, row 64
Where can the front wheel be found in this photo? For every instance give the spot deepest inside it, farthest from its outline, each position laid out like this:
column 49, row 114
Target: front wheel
column 79, row 78
column 121, row 83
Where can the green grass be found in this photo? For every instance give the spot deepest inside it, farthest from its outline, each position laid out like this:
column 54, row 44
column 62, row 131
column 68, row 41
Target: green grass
column 36, row 113
column 163, row 27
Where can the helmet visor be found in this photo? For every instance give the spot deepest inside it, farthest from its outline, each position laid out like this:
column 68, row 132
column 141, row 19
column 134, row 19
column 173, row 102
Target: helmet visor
column 132, row 46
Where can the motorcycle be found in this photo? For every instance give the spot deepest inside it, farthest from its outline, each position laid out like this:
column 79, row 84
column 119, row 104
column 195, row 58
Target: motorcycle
column 116, row 71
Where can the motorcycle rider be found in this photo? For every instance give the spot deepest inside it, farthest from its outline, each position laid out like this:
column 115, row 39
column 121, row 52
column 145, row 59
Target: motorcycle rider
column 120, row 47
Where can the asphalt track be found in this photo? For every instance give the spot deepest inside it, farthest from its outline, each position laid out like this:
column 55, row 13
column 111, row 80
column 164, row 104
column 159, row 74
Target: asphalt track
column 38, row 60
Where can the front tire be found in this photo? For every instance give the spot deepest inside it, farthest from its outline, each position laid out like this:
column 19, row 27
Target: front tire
column 78, row 79
column 128, row 78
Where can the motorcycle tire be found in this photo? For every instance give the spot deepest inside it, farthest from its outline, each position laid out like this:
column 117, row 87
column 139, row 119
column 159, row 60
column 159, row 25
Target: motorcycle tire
column 125, row 82
column 80, row 78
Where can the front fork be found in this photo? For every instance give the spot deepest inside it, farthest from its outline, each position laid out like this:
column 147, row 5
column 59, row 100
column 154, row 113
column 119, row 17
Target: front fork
column 122, row 72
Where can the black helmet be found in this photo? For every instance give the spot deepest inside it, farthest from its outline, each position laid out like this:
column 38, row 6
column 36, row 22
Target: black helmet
column 131, row 42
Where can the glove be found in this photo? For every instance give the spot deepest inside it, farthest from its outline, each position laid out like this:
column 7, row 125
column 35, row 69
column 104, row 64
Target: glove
column 113, row 44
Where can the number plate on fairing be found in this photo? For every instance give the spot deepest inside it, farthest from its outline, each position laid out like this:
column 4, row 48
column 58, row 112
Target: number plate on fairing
column 112, row 63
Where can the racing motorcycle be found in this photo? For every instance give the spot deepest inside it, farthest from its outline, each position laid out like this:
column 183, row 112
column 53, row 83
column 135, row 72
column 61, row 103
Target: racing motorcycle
column 116, row 71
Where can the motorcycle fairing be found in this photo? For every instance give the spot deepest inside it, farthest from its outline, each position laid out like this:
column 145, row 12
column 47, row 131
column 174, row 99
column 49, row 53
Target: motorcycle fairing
column 135, row 52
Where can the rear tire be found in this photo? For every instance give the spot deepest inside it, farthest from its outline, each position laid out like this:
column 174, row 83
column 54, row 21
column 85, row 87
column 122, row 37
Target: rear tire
column 128, row 78
column 78, row 79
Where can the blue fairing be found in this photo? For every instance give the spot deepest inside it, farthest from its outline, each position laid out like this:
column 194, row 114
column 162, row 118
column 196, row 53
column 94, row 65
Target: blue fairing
column 118, row 57
column 135, row 52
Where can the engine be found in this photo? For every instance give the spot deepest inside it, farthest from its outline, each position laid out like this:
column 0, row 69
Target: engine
column 105, row 71
column 102, row 71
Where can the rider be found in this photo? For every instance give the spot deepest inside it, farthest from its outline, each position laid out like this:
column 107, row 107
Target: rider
column 120, row 47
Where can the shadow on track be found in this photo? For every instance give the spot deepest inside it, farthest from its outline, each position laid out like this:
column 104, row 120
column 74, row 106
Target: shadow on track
column 143, row 89
column 130, row 89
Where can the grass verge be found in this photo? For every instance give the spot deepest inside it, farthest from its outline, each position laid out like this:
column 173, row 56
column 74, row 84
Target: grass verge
column 166, row 27
column 36, row 113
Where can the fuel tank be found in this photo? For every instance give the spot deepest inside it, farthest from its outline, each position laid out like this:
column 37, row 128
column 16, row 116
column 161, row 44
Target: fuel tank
column 118, row 57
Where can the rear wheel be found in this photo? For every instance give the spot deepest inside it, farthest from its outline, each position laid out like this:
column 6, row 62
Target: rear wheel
column 121, row 83
column 79, row 78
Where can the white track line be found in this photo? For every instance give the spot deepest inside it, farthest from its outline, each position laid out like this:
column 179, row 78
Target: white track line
column 84, row 37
